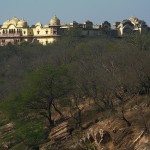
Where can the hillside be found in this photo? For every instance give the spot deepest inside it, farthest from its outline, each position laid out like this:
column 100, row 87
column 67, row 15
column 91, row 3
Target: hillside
column 105, row 130
column 78, row 93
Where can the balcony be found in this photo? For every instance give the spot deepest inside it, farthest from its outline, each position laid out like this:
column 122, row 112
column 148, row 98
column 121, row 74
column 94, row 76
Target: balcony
column 10, row 35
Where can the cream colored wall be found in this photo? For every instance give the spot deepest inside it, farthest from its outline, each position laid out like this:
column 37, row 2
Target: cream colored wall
column 7, row 41
column 7, row 29
column 11, row 26
column 45, row 36
column 27, row 32
column 33, row 32
column 45, row 41
column 30, row 32
column 42, row 31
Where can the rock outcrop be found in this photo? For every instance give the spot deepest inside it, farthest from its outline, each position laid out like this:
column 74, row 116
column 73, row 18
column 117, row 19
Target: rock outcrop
column 97, row 137
column 59, row 134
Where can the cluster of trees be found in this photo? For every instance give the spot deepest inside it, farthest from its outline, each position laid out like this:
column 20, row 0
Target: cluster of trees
column 38, row 80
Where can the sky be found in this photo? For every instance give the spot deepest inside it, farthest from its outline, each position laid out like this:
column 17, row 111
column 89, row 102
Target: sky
column 67, row 11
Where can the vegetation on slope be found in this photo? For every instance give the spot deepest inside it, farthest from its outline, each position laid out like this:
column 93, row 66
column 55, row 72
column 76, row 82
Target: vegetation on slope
column 39, row 83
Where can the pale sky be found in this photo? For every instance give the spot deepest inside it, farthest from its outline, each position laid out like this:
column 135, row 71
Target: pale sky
column 67, row 11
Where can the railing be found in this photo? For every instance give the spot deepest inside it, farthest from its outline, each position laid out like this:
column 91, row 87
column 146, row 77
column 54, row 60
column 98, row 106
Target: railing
column 10, row 35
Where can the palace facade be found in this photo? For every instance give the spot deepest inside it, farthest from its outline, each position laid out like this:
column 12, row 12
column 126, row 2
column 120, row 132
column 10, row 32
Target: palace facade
column 130, row 25
column 15, row 31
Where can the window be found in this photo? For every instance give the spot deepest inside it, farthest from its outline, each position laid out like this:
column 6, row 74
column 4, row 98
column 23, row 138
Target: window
column 38, row 32
column 46, row 32
column 19, row 30
column 55, row 32
column 24, row 32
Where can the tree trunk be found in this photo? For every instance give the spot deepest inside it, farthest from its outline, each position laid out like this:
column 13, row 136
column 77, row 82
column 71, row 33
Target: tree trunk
column 51, row 121
column 79, row 118
column 58, row 111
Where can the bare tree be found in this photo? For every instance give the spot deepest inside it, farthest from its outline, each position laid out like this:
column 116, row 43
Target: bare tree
column 47, row 85
column 76, row 110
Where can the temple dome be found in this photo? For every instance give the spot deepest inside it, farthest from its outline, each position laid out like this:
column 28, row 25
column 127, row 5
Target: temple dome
column 127, row 22
column 6, row 24
column 38, row 24
column 134, row 20
column 54, row 21
column 22, row 24
column 14, row 21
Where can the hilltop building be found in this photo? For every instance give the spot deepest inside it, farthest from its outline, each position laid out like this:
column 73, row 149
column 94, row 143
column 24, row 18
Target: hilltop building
column 133, row 24
column 16, row 30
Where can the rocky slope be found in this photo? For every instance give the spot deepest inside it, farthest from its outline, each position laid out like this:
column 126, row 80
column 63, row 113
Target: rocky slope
column 110, row 133
column 100, row 131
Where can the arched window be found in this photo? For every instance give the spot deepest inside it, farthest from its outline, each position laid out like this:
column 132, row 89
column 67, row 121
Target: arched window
column 3, row 41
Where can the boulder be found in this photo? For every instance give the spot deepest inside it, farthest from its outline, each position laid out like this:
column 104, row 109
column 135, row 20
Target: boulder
column 105, row 137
